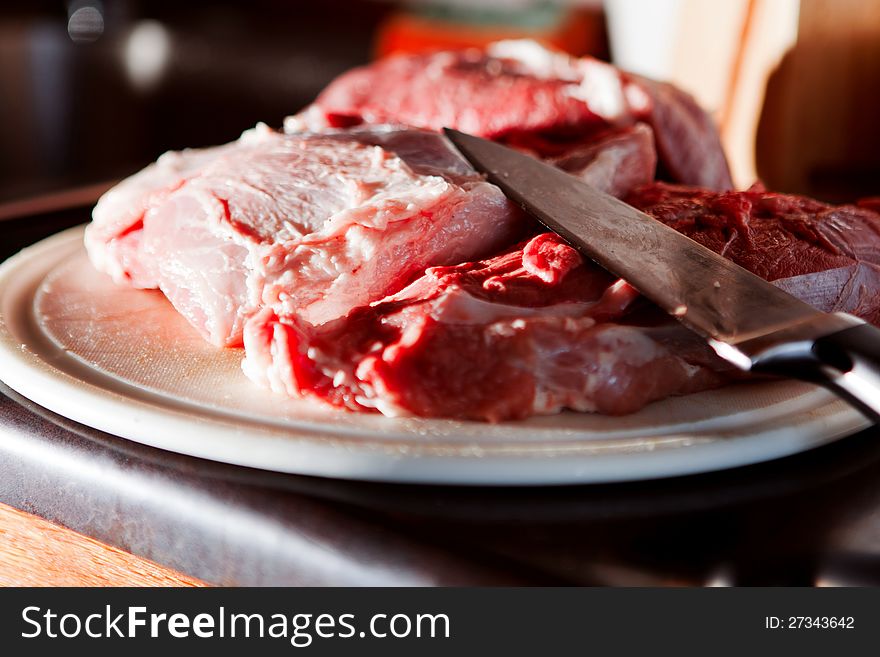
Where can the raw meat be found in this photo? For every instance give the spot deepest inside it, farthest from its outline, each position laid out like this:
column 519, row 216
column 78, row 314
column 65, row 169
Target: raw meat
column 330, row 250
column 531, row 331
column 616, row 161
column 536, row 330
column 827, row 255
column 525, row 95
column 308, row 224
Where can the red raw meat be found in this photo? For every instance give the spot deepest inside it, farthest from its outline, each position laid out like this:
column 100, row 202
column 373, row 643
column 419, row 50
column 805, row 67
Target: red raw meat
column 536, row 330
column 616, row 161
column 520, row 93
column 827, row 255
column 330, row 249
column 531, row 331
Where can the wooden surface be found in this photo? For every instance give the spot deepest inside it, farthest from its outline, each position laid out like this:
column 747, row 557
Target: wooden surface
column 767, row 31
column 794, row 86
column 34, row 552
column 818, row 132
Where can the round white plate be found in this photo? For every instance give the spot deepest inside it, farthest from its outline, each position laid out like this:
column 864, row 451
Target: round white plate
column 125, row 362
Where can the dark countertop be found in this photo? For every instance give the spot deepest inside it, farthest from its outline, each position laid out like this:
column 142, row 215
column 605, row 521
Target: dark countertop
column 810, row 518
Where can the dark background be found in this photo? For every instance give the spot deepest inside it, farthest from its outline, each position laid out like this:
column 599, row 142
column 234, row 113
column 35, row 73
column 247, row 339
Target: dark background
column 81, row 105
column 72, row 112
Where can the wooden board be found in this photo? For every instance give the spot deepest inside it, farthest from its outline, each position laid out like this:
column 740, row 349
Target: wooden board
column 818, row 132
column 34, row 552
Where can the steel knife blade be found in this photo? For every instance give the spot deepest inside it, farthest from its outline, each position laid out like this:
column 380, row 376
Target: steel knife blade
column 748, row 321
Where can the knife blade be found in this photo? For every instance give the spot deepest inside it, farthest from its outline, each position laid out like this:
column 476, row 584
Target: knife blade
column 748, row 321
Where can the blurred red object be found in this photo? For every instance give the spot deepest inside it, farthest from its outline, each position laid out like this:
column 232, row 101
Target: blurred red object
column 575, row 30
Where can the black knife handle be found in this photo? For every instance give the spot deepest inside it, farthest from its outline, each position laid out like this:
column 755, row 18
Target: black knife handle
column 846, row 361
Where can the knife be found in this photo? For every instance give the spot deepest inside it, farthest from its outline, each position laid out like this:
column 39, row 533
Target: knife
column 748, row 322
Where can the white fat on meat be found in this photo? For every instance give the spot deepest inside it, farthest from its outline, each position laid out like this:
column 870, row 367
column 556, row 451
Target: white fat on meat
column 596, row 83
column 308, row 224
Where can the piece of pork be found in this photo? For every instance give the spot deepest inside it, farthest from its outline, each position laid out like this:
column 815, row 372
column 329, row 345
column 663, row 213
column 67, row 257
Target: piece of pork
column 531, row 331
column 615, row 162
column 536, row 330
column 520, row 93
column 308, row 224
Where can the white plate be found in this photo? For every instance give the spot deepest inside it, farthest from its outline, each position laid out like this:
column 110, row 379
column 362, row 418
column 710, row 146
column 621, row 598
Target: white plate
column 124, row 362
